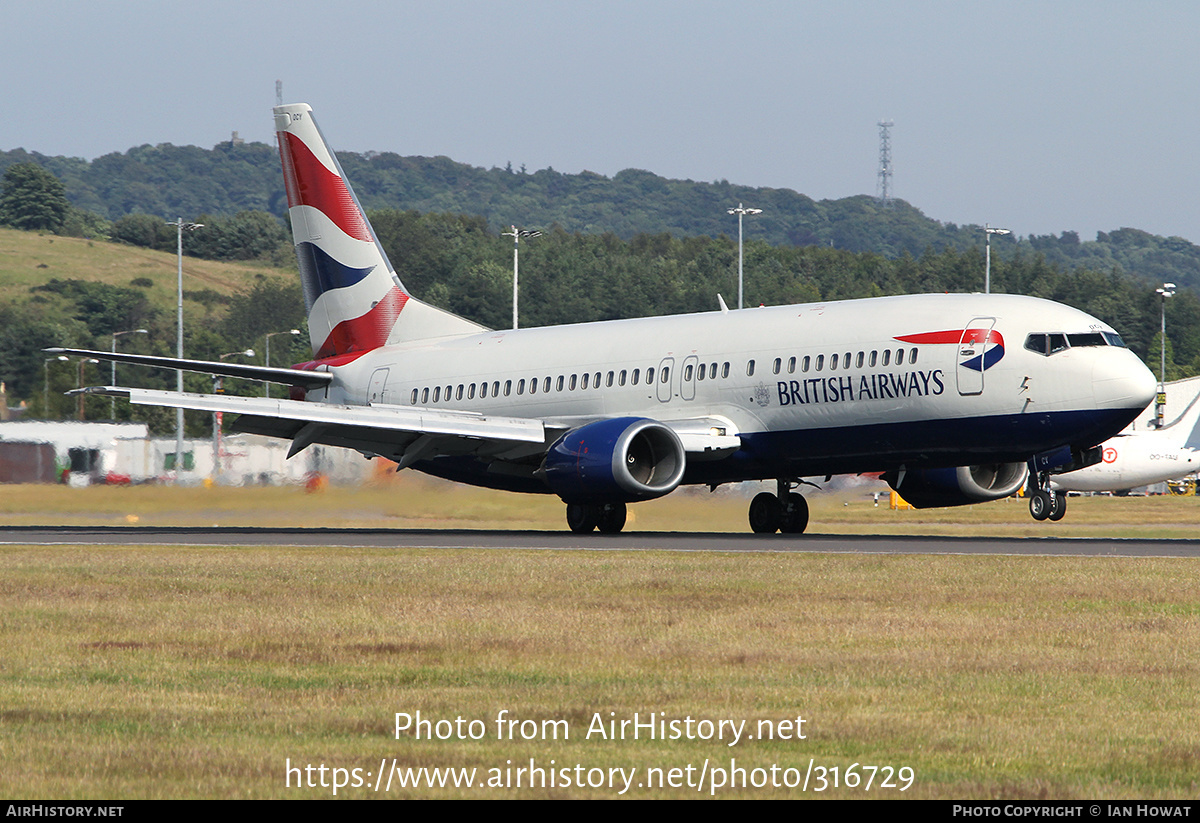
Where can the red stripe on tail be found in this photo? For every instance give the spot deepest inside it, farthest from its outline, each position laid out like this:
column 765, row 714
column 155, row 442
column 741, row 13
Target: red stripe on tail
column 369, row 331
column 310, row 183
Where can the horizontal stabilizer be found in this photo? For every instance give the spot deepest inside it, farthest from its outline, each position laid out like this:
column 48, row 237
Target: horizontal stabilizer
column 288, row 377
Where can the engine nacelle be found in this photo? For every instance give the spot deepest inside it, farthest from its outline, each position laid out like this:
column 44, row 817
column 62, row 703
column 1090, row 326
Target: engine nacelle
column 927, row 488
column 620, row 460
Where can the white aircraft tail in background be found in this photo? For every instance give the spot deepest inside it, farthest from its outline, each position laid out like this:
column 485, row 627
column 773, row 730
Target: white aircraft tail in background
column 1142, row 458
column 951, row 396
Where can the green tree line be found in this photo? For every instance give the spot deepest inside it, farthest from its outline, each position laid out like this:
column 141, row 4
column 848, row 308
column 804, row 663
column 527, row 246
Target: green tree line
column 229, row 180
column 461, row 264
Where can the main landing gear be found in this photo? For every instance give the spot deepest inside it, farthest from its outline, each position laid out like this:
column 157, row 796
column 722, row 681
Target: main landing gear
column 1045, row 504
column 785, row 512
column 583, row 518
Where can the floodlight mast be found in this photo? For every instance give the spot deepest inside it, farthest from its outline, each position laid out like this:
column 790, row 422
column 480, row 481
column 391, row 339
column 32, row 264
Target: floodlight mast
column 987, row 266
column 741, row 212
column 1160, row 401
column 516, row 234
column 180, row 225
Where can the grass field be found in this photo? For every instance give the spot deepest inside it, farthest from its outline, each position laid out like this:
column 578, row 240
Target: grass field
column 410, row 500
column 199, row 672
column 30, row 259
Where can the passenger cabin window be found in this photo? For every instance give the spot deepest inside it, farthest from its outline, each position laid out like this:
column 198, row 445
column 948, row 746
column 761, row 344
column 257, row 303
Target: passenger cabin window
column 776, row 365
column 750, row 369
column 804, row 364
column 725, row 370
column 833, row 361
column 820, row 362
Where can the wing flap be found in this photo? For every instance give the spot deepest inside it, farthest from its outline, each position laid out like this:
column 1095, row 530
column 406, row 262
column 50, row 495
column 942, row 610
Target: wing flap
column 378, row 417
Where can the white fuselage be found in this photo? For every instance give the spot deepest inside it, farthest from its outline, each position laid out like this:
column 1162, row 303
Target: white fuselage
column 838, row 368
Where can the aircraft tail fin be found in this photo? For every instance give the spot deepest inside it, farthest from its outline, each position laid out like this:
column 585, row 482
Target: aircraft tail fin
column 354, row 298
column 1188, row 425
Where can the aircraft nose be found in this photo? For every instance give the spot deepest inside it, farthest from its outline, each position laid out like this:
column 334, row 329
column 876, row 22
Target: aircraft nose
column 1122, row 382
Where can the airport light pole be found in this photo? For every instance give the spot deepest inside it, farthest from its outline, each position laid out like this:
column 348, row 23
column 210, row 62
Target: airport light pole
column 219, row 388
column 741, row 212
column 987, row 266
column 79, row 384
column 113, row 413
column 267, row 355
column 516, row 234
column 1160, row 401
column 180, row 225
column 46, row 388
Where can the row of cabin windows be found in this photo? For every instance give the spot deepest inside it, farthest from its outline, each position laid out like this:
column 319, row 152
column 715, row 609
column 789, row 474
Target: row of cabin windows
column 836, row 361
column 593, row 380
column 572, row 382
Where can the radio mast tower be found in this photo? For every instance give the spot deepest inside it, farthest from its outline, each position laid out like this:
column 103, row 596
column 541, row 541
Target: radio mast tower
column 884, row 187
column 278, row 92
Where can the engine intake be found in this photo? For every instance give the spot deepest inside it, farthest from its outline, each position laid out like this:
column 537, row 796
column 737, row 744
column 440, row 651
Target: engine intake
column 959, row 486
column 620, row 460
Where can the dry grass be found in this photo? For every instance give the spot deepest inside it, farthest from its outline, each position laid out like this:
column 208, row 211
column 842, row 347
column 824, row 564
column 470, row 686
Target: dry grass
column 410, row 500
column 188, row 672
column 30, row 259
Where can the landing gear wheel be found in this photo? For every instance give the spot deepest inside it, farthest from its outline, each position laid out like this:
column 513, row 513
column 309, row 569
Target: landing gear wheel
column 1039, row 505
column 612, row 518
column 764, row 513
column 582, row 518
column 794, row 518
column 1058, row 506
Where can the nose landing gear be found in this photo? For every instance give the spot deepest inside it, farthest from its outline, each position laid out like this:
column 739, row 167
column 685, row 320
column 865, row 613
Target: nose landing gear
column 1045, row 504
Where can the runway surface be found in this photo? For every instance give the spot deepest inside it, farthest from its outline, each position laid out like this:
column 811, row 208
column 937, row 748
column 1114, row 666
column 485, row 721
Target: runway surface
column 628, row 541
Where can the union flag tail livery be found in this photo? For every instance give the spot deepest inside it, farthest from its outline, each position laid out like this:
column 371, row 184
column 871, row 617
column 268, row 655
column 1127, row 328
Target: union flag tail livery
column 954, row 398
column 355, row 301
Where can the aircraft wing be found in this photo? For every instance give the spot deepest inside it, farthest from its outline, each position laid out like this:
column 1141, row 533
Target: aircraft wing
column 392, row 431
column 407, row 434
column 289, row 377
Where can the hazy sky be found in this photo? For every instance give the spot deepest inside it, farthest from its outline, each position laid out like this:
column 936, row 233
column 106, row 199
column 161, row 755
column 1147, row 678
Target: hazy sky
column 1037, row 116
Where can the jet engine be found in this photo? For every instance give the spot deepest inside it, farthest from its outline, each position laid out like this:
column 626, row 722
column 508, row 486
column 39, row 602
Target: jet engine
column 620, row 460
column 927, row 488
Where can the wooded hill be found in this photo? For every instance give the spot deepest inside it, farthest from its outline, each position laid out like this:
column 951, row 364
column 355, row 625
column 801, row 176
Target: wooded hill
column 186, row 181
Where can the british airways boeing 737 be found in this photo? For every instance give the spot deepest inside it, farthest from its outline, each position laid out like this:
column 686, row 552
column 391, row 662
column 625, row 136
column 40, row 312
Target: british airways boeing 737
column 954, row 397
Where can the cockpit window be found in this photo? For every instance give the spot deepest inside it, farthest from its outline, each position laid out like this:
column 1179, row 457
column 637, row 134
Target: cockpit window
column 1053, row 342
column 1089, row 339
